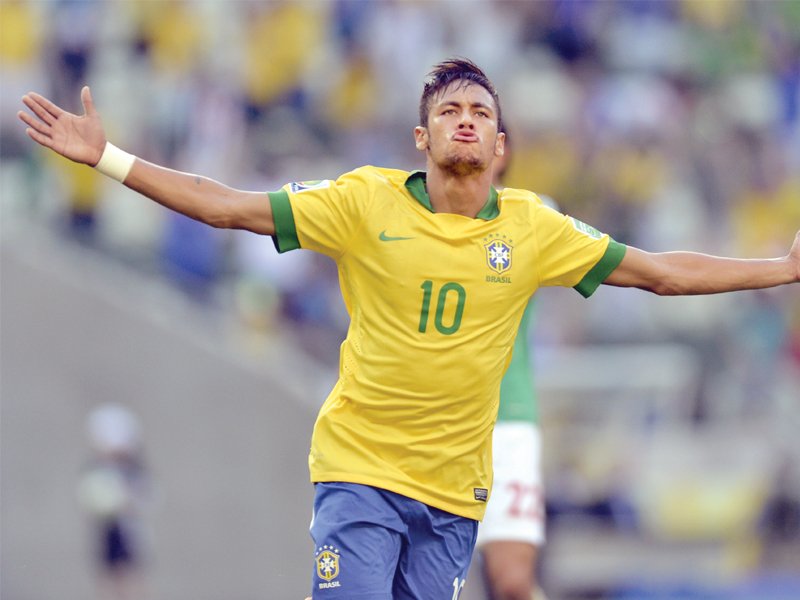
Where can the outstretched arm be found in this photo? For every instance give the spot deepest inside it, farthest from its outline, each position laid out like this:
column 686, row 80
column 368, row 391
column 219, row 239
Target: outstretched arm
column 691, row 273
column 82, row 139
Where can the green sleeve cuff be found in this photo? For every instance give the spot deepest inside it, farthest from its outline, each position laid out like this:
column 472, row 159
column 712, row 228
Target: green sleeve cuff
column 604, row 267
column 285, row 237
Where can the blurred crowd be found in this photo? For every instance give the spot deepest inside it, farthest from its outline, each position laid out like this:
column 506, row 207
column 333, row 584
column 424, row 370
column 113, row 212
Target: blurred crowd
column 667, row 124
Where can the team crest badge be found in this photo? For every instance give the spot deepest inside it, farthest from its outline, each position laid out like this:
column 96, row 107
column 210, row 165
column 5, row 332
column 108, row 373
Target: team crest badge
column 327, row 559
column 498, row 255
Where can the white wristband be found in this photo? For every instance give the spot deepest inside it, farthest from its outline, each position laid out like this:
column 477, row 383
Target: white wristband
column 115, row 163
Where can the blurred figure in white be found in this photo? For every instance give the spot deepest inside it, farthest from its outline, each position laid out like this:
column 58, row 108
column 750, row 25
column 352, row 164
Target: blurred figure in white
column 113, row 490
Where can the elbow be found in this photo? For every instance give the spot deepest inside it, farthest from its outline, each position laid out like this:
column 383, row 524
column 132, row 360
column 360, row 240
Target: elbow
column 212, row 205
column 666, row 287
column 661, row 290
column 656, row 282
column 219, row 216
column 218, row 220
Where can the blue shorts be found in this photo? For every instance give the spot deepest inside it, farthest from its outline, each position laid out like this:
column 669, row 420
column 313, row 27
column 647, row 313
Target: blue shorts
column 372, row 544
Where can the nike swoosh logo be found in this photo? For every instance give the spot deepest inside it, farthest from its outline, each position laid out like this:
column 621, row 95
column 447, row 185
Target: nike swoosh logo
column 388, row 238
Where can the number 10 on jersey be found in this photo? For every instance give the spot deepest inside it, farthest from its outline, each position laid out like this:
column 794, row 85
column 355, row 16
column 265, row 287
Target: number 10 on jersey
column 449, row 292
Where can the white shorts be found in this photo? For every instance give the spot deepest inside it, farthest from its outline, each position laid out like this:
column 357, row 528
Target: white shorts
column 516, row 507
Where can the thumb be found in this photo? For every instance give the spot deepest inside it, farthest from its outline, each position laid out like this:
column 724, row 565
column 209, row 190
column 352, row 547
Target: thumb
column 86, row 100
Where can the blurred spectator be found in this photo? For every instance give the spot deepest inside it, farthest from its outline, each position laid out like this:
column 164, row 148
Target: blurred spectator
column 73, row 42
column 20, row 51
column 280, row 41
column 21, row 69
column 113, row 490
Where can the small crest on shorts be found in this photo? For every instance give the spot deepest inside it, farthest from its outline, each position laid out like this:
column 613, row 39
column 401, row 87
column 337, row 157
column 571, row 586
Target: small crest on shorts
column 305, row 186
column 498, row 253
column 481, row 494
column 327, row 558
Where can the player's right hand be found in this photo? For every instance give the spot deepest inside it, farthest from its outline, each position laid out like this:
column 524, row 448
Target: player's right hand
column 794, row 256
column 79, row 138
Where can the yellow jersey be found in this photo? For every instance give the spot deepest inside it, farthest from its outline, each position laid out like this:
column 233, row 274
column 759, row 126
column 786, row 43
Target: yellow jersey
column 435, row 301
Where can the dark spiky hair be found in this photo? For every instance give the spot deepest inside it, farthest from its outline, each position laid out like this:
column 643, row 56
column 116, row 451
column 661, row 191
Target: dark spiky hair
column 448, row 72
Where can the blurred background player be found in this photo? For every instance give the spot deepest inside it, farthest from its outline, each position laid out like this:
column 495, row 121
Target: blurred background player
column 113, row 490
column 512, row 530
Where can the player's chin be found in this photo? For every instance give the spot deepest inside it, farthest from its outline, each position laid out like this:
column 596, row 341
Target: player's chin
column 464, row 163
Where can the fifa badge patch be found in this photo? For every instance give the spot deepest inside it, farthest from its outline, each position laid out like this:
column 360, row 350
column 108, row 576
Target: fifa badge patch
column 498, row 254
column 305, row 186
column 587, row 229
column 327, row 559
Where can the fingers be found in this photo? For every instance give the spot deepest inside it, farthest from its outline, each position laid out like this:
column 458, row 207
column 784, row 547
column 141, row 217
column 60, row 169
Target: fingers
column 51, row 108
column 42, row 107
column 86, row 100
column 40, row 138
column 35, row 124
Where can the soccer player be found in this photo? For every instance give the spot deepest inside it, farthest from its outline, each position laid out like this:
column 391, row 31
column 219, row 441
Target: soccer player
column 436, row 269
column 512, row 529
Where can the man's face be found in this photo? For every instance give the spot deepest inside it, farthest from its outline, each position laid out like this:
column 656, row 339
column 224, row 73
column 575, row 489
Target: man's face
column 461, row 137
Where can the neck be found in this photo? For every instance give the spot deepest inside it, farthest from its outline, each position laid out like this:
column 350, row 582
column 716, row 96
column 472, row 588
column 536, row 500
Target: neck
column 458, row 194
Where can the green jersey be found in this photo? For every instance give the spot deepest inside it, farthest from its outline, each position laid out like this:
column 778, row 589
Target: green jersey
column 517, row 394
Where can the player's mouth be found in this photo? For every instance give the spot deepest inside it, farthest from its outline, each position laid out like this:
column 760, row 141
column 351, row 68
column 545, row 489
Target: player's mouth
column 465, row 136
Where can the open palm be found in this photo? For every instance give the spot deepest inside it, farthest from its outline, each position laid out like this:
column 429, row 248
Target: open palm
column 79, row 138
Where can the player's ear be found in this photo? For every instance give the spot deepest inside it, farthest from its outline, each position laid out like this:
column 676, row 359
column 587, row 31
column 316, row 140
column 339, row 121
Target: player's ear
column 500, row 144
column 421, row 138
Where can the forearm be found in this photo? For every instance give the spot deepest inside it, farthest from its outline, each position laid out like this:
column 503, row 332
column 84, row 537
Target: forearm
column 201, row 198
column 691, row 273
column 196, row 197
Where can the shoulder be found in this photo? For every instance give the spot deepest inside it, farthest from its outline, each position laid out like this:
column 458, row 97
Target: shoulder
column 525, row 200
column 366, row 184
column 370, row 174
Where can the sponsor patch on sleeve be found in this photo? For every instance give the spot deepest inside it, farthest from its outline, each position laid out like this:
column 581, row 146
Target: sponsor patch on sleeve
column 587, row 229
column 305, row 186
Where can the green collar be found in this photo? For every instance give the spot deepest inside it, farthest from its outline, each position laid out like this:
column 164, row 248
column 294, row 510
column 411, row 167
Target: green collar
column 417, row 188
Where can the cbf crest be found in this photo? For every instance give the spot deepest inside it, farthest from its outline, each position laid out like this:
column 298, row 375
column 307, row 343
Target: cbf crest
column 327, row 558
column 498, row 253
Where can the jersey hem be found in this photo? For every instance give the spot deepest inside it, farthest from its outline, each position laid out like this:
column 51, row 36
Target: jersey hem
column 414, row 494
